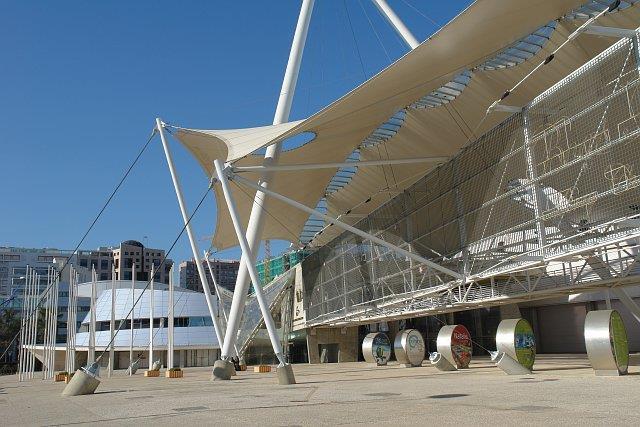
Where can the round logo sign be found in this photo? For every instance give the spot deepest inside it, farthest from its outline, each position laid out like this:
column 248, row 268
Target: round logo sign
column 461, row 346
column 619, row 343
column 409, row 347
column 525, row 344
column 381, row 349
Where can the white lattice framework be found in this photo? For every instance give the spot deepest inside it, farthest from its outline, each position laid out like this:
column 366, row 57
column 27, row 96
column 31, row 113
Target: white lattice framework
column 547, row 203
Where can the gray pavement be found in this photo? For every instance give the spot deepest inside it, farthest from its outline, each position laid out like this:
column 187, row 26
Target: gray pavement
column 562, row 391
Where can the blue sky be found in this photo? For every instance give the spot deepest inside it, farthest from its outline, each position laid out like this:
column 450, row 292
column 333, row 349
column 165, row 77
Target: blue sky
column 81, row 83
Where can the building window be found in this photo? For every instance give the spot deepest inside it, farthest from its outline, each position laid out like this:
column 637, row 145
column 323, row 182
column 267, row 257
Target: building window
column 126, row 275
column 83, row 262
column 19, row 271
column 104, row 264
column 45, row 258
column 104, row 276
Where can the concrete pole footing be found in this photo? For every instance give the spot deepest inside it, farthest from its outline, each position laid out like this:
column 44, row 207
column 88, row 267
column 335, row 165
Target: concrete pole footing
column 285, row 374
column 81, row 383
column 222, row 370
column 440, row 362
column 508, row 364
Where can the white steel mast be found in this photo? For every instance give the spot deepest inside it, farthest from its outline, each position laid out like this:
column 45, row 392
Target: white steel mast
column 397, row 23
column 256, row 220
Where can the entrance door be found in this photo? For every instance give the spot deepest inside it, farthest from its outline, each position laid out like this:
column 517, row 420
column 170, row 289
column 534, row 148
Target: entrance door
column 328, row 353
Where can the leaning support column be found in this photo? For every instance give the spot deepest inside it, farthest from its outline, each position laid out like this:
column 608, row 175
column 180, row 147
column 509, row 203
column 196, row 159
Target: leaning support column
column 219, row 295
column 192, row 241
column 397, row 23
column 256, row 219
column 285, row 371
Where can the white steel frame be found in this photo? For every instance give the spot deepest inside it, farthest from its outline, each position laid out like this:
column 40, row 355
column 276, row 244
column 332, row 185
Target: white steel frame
column 249, row 259
column 192, row 241
column 310, row 166
column 346, row 227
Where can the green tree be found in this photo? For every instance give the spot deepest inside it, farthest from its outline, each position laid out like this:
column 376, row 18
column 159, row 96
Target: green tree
column 9, row 327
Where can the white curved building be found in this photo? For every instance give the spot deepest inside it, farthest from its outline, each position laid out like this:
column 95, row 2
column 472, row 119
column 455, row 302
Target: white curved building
column 195, row 342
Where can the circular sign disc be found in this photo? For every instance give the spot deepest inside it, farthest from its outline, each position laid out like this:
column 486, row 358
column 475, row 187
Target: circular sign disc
column 461, row 346
column 376, row 348
column 525, row 344
column 409, row 347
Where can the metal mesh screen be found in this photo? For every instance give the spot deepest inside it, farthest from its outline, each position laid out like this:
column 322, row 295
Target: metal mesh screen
column 558, row 179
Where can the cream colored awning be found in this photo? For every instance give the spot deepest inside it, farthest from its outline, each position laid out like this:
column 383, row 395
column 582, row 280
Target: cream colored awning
column 477, row 35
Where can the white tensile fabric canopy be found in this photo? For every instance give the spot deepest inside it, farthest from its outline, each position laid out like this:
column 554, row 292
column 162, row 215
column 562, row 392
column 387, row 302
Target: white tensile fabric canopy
column 466, row 45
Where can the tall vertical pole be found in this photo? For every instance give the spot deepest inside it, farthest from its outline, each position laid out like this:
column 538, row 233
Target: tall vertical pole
column 249, row 259
column 396, row 23
column 67, row 344
column 23, row 320
column 74, row 319
column 54, row 335
column 49, row 341
column 170, row 323
column 29, row 317
column 133, row 301
column 51, row 318
column 46, row 346
column 151, row 306
column 112, row 321
column 192, row 241
column 256, row 220
column 34, row 322
column 91, row 357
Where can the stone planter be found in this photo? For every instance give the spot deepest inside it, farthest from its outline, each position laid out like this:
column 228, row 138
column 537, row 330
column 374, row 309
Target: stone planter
column 173, row 374
column 61, row 377
column 151, row 373
column 262, row 368
column 67, row 378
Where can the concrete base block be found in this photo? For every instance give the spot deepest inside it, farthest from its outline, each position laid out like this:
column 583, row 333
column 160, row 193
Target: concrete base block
column 285, row 375
column 440, row 362
column 508, row 364
column 222, row 370
column 133, row 368
column 607, row 372
column 81, row 383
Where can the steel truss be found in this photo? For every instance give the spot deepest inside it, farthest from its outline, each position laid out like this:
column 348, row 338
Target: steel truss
column 520, row 214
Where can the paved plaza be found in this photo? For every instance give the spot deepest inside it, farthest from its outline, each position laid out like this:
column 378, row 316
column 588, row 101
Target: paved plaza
column 563, row 390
